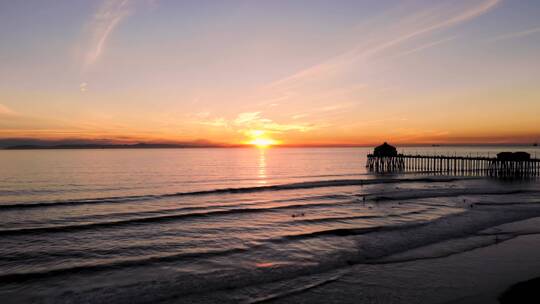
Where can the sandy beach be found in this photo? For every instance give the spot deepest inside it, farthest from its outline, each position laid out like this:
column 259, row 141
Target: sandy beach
column 509, row 255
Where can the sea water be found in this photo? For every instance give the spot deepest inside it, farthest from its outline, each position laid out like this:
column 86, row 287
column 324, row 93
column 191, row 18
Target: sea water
column 227, row 225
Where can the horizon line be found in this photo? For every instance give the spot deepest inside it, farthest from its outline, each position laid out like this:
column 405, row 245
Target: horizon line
column 157, row 145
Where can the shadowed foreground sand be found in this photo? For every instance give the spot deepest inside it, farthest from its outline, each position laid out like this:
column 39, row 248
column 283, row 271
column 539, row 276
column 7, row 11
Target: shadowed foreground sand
column 522, row 292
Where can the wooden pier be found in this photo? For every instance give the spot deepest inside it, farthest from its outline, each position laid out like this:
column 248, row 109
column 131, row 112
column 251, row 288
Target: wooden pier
column 454, row 165
column 385, row 159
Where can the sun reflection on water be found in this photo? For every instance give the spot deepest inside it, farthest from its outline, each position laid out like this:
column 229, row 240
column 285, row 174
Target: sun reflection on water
column 262, row 167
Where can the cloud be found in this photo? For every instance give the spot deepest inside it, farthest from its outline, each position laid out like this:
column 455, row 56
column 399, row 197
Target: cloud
column 427, row 46
column 218, row 122
column 351, row 76
column 5, row 111
column 248, row 122
column 298, row 116
column 248, row 118
column 107, row 17
column 520, row 34
column 254, row 120
column 385, row 36
column 83, row 87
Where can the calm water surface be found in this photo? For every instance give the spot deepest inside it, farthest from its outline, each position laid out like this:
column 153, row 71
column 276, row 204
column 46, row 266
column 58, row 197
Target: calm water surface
column 223, row 225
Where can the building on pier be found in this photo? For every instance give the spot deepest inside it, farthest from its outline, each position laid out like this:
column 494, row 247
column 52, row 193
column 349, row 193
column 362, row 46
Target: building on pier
column 385, row 158
column 385, row 150
column 513, row 156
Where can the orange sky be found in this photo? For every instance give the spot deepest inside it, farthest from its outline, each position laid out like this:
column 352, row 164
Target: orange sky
column 238, row 72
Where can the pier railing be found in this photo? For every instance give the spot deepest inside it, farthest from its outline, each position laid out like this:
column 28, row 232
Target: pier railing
column 454, row 165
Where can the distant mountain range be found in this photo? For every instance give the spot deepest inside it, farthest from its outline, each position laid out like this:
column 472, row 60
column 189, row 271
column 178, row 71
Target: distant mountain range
column 110, row 146
column 23, row 144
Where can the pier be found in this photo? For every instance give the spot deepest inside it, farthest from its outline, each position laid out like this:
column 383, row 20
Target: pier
column 385, row 159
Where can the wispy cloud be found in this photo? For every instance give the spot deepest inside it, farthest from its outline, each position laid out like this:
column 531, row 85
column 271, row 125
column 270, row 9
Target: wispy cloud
column 514, row 35
column 426, row 46
column 246, row 122
column 409, row 27
column 254, row 120
column 249, row 118
column 326, row 90
column 5, row 111
column 217, row 122
column 107, row 17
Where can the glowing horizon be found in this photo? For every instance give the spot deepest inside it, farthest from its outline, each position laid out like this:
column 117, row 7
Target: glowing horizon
column 271, row 73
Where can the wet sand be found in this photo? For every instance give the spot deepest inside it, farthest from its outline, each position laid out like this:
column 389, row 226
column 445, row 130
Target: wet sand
column 504, row 256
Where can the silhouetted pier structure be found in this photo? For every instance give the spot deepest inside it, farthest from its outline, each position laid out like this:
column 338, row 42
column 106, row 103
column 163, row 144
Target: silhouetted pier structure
column 385, row 159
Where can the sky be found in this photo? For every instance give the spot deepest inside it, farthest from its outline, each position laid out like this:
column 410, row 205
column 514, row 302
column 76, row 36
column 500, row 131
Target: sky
column 297, row 72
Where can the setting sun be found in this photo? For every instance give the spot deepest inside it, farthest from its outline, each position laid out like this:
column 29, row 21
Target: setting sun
column 260, row 139
column 263, row 142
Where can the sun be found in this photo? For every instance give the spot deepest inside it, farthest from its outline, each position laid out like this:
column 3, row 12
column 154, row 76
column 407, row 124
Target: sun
column 260, row 139
column 262, row 142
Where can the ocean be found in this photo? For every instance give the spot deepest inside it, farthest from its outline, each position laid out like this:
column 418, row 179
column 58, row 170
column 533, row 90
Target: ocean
column 232, row 225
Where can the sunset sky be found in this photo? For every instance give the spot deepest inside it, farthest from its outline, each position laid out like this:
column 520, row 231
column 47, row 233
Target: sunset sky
column 295, row 72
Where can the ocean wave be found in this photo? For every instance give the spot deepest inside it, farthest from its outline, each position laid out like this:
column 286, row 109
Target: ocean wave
column 506, row 203
column 161, row 218
column 295, row 286
column 349, row 231
column 279, row 187
column 26, row 276
column 126, row 263
column 358, row 217
column 444, row 249
column 397, row 238
column 428, row 193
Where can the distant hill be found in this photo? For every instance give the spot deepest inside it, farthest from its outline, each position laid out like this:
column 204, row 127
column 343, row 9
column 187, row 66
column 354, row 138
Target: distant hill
column 114, row 146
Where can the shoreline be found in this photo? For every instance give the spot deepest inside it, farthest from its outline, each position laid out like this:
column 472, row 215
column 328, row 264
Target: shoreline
column 507, row 268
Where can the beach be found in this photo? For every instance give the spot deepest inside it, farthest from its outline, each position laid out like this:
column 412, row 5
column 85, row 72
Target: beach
column 476, row 275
